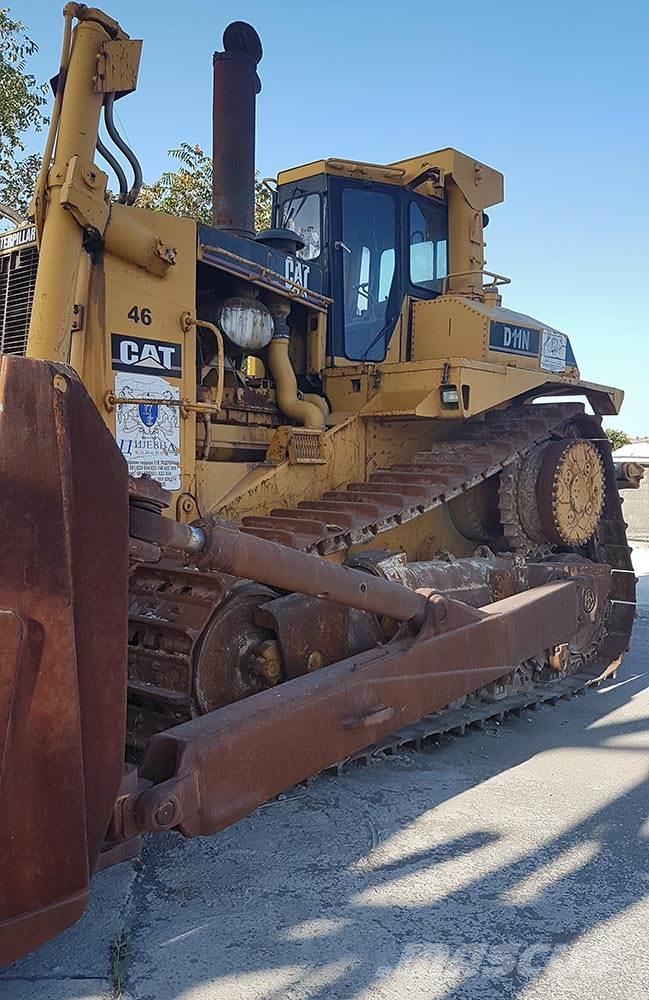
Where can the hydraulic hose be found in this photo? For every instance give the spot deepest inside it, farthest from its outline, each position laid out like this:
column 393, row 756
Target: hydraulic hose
column 117, row 169
column 111, row 128
column 38, row 200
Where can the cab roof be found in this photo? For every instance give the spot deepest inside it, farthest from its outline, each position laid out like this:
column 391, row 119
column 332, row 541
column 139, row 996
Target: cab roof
column 426, row 173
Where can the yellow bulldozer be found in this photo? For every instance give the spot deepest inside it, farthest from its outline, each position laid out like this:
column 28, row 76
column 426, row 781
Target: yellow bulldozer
column 268, row 501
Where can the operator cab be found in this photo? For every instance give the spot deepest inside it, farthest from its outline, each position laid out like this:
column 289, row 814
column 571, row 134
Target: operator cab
column 375, row 241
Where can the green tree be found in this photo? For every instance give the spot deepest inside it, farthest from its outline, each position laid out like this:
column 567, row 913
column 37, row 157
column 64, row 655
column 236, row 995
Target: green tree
column 21, row 101
column 187, row 191
column 617, row 438
column 17, row 185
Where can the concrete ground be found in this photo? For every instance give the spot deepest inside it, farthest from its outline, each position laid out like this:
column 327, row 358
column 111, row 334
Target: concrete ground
column 511, row 863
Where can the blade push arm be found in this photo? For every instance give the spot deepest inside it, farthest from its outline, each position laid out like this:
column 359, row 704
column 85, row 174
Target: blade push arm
column 214, row 770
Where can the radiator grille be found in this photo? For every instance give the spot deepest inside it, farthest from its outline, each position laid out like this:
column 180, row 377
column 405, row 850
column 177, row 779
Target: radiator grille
column 17, row 280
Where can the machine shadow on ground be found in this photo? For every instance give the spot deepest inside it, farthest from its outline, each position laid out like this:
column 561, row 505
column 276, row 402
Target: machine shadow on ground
column 354, row 888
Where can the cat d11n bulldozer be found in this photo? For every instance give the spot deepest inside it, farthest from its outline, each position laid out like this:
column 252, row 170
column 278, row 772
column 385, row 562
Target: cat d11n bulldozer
column 269, row 501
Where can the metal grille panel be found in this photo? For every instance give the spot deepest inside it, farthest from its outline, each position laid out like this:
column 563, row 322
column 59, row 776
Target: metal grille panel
column 17, row 281
column 305, row 447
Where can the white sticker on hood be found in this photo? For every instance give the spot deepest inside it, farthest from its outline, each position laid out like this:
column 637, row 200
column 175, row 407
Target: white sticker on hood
column 148, row 434
column 553, row 351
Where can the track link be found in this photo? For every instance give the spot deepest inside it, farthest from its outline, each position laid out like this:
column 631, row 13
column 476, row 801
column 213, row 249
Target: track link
column 460, row 721
column 357, row 514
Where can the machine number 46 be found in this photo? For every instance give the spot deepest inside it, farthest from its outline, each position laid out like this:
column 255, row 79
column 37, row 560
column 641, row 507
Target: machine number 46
column 140, row 315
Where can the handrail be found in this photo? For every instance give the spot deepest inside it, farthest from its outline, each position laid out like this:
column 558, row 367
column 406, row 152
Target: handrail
column 499, row 279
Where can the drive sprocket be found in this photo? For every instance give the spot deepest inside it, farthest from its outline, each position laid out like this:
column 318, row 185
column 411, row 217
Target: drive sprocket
column 553, row 495
column 570, row 491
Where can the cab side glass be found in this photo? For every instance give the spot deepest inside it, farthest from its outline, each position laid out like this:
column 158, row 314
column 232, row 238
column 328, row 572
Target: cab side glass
column 303, row 214
column 428, row 246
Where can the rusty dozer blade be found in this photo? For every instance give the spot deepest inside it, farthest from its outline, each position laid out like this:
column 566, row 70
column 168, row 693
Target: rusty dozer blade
column 63, row 635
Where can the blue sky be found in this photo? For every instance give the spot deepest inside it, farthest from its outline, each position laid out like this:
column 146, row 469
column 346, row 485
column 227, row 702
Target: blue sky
column 554, row 94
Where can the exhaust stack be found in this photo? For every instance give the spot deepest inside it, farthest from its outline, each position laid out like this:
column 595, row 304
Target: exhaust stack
column 236, row 85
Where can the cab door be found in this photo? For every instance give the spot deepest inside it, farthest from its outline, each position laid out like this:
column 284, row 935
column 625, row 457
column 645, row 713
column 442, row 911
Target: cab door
column 366, row 268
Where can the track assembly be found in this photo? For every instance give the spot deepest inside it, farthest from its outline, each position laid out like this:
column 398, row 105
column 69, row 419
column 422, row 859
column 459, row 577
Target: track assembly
column 549, row 466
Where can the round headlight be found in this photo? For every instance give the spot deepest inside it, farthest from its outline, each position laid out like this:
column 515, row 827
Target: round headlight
column 246, row 322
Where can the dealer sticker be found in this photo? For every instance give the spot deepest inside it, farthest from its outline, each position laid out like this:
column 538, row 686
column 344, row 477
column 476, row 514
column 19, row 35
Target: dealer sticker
column 148, row 434
column 554, row 347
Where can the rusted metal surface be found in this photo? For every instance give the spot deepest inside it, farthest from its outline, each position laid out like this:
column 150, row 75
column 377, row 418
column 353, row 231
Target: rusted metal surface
column 234, row 660
column 145, row 497
column 476, row 581
column 115, row 848
column 13, row 640
column 212, row 771
column 63, row 592
column 313, row 633
column 204, row 779
column 170, row 609
column 629, row 475
column 259, row 559
column 238, row 554
column 140, row 552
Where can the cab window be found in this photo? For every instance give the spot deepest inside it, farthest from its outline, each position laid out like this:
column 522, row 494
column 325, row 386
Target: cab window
column 303, row 214
column 428, row 245
column 367, row 251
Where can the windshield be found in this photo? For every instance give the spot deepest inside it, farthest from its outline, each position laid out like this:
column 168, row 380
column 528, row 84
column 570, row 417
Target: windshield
column 368, row 263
